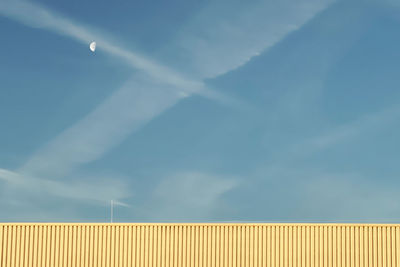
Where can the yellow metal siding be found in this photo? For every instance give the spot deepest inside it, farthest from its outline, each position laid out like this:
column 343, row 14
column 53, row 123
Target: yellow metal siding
column 199, row 245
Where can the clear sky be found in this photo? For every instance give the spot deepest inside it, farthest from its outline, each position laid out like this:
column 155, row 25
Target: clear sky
column 200, row 110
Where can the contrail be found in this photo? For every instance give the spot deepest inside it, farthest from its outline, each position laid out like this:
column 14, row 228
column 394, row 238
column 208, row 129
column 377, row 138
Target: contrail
column 34, row 15
column 128, row 109
column 101, row 191
column 223, row 36
column 139, row 101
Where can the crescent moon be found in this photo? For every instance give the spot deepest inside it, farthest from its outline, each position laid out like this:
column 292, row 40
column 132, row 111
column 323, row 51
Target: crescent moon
column 92, row 46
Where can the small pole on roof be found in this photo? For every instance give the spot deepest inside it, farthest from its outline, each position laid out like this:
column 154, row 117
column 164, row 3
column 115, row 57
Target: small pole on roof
column 112, row 210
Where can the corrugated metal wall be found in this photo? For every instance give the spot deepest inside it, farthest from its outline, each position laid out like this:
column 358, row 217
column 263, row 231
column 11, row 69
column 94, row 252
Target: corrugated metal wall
column 199, row 245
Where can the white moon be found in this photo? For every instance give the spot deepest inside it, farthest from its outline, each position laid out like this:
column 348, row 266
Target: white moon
column 92, row 46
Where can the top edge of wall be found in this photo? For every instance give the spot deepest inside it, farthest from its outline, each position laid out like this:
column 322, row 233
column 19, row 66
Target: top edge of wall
column 199, row 224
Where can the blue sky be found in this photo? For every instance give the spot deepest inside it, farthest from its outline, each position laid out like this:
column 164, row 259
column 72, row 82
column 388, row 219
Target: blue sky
column 272, row 111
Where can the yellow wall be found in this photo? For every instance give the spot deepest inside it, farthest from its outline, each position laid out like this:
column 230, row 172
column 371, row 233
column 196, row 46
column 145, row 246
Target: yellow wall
column 199, row 245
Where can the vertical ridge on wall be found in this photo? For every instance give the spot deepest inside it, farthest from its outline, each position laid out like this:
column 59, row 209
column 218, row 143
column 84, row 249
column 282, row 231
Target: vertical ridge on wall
column 199, row 245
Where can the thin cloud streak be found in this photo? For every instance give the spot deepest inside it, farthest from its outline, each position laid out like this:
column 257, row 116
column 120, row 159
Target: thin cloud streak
column 34, row 15
column 150, row 93
column 342, row 133
column 128, row 109
column 140, row 100
column 225, row 47
column 190, row 195
column 228, row 34
column 341, row 196
column 101, row 191
column 337, row 135
column 110, row 123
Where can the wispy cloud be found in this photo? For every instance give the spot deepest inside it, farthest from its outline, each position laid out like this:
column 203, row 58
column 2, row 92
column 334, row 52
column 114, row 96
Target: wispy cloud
column 227, row 34
column 222, row 37
column 110, row 123
column 318, row 195
column 190, row 195
column 154, row 89
column 35, row 15
column 367, row 124
column 139, row 101
column 146, row 95
column 349, row 196
column 136, row 103
column 393, row 3
column 10, row 176
column 99, row 189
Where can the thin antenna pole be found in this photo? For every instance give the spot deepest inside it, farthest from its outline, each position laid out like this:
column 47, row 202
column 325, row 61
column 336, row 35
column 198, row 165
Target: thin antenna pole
column 112, row 210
